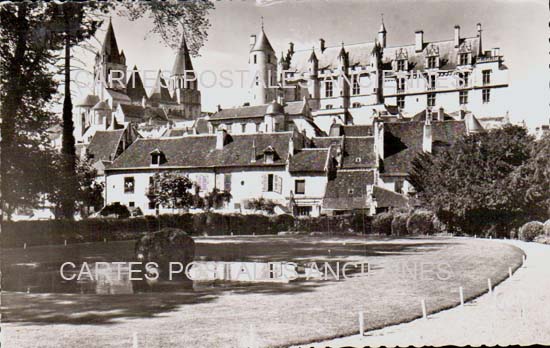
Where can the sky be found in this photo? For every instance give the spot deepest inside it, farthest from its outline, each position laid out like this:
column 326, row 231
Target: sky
column 519, row 28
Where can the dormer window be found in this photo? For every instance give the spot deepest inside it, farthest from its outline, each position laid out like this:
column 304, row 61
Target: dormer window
column 431, row 62
column 157, row 158
column 463, row 59
column 401, row 65
column 269, row 155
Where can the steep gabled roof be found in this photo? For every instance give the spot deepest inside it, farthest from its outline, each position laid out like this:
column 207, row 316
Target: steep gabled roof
column 88, row 101
column 241, row 112
column 105, row 144
column 110, row 47
column 199, row 151
column 389, row 199
column 134, row 87
column 359, row 153
column 348, row 190
column 309, row 160
column 160, row 92
column 358, row 54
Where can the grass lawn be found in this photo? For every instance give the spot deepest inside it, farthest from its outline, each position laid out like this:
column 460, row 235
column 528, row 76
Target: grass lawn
column 403, row 271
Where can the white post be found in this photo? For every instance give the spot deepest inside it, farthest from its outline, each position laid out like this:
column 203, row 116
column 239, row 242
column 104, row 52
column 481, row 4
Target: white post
column 489, row 285
column 524, row 259
column 424, row 313
column 135, row 340
column 461, row 290
column 65, row 242
column 24, row 245
column 510, row 272
column 104, row 240
column 361, row 324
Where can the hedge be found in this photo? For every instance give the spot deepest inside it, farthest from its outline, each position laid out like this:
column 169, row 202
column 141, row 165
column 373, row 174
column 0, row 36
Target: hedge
column 381, row 224
column 399, row 224
column 16, row 234
column 529, row 231
column 420, row 222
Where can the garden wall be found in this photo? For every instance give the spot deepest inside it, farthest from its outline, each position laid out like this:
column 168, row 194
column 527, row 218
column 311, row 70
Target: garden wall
column 16, row 234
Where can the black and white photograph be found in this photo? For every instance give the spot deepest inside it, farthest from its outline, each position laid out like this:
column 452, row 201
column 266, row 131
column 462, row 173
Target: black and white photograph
column 274, row 173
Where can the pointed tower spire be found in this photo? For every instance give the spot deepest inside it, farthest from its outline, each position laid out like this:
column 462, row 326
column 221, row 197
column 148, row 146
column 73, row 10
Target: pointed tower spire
column 183, row 59
column 262, row 43
column 110, row 48
column 312, row 56
column 134, row 87
column 160, row 93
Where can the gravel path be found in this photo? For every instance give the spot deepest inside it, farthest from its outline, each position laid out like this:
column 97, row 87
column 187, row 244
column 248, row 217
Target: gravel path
column 517, row 312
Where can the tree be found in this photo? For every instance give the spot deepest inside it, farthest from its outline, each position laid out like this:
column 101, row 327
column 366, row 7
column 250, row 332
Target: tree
column 467, row 185
column 216, row 199
column 27, row 89
column 172, row 190
column 90, row 190
column 71, row 23
column 174, row 18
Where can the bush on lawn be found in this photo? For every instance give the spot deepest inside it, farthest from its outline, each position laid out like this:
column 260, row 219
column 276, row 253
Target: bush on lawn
column 399, row 224
column 381, row 224
column 420, row 222
column 116, row 209
column 529, row 231
column 547, row 227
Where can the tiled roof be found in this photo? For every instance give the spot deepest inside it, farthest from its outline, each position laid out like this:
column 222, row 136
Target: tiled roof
column 421, row 116
column 357, row 130
column 89, row 100
column 348, row 190
column 358, row 54
column 118, row 95
column 403, row 141
column 448, row 53
column 160, row 93
column 359, row 152
column 199, row 151
column 262, row 43
column 133, row 112
column 105, row 144
column 309, row 160
column 325, row 142
column 389, row 199
column 294, row 108
column 182, row 64
column 241, row 112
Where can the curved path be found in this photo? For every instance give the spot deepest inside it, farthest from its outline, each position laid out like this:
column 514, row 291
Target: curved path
column 517, row 312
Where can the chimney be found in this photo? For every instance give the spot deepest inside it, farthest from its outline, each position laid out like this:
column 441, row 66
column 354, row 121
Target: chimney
column 253, row 155
column 441, row 114
column 480, row 47
column 252, row 41
column 221, row 139
column 419, row 40
column 322, row 45
column 478, row 29
column 427, row 135
column 496, row 52
column 457, row 35
column 462, row 114
column 291, row 48
column 219, row 107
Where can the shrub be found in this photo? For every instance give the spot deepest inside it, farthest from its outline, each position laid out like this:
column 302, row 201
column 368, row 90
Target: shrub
column 547, row 227
column 399, row 224
column 283, row 222
column 381, row 224
column 438, row 225
column 531, row 230
column 420, row 222
column 117, row 209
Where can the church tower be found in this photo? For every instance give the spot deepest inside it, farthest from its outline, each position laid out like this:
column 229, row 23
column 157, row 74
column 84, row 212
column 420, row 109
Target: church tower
column 183, row 84
column 382, row 35
column 262, row 66
column 109, row 59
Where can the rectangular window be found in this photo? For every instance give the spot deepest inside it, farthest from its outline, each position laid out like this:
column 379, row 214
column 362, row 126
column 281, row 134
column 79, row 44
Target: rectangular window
column 243, row 128
column 255, row 60
column 356, row 86
column 401, row 65
column 155, row 159
column 356, row 105
column 464, row 79
column 258, row 127
column 401, row 85
column 300, row 187
column 129, row 184
column 152, row 204
column 401, row 101
column 328, row 106
column 431, row 82
column 227, row 182
column 303, row 211
column 131, row 204
column 486, row 93
column 431, row 99
column 463, row 59
column 328, row 89
column 270, row 182
column 463, row 97
column 486, row 77
column 431, row 62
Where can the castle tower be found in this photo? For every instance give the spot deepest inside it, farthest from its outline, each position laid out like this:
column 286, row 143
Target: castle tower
column 109, row 59
column 262, row 65
column 183, row 83
column 313, row 70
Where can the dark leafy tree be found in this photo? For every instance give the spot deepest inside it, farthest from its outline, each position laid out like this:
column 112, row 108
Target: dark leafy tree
column 467, row 184
column 170, row 18
column 27, row 90
column 217, row 199
column 173, row 190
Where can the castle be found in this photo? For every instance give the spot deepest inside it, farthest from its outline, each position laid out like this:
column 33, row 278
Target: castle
column 327, row 129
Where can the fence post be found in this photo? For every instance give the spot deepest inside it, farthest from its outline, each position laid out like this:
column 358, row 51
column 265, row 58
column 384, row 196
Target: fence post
column 461, row 290
column 361, row 324
column 424, row 312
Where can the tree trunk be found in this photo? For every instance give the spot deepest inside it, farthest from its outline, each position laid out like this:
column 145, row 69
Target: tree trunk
column 12, row 104
column 68, row 145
